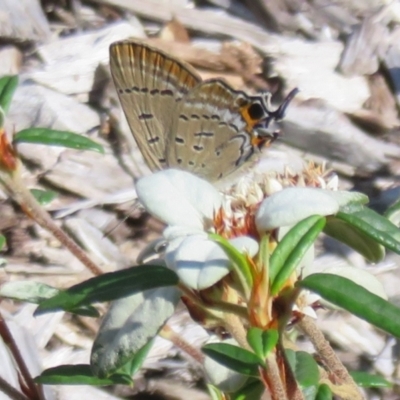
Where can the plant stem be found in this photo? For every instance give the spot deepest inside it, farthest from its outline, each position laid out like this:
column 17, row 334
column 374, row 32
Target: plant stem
column 331, row 360
column 10, row 391
column 169, row 334
column 10, row 343
column 18, row 191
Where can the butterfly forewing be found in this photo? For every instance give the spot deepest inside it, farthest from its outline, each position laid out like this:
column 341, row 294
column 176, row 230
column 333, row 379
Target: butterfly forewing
column 208, row 135
column 149, row 84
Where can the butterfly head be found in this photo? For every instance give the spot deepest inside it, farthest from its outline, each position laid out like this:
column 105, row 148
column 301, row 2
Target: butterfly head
column 263, row 121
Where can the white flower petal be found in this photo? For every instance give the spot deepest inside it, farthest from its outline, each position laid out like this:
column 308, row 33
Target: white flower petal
column 245, row 244
column 291, row 205
column 199, row 262
column 179, row 198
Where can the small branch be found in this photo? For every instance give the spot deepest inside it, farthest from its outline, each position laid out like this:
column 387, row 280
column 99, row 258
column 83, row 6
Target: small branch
column 273, row 378
column 18, row 191
column 9, row 341
column 10, row 391
column 331, row 360
column 169, row 334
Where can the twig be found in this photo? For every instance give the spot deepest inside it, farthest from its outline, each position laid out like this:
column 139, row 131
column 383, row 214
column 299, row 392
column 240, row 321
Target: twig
column 9, row 341
column 10, row 391
column 331, row 360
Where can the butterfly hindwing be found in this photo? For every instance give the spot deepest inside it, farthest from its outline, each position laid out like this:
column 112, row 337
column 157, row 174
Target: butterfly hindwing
column 209, row 135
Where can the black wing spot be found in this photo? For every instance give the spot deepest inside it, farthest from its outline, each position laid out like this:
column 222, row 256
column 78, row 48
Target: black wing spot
column 120, row 90
column 162, row 160
column 215, row 117
column 146, row 116
column 220, row 176
column 217, row 153
column 198, row 148
column 256, row 111
column 128, row 91
column 205, row 116
column 144, row 90
column 203, row 165
column 194, row 116
column 179, row 160
column 154, row 91
column 184, row 117
column 153, row 140
column 191, row 163
column 179, row 140
column 135, row 89
column 167, row 92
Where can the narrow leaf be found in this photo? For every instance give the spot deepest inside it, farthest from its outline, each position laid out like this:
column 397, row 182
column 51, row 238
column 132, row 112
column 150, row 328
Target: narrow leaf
column 128, row 327
column 324, row 393
column 110, row 286
column 8, row 84
column 233, row 357
column 355, row 299
column 363, row 379
column 79, row 374
column 253, row 390
column 262, row 342
column 57, row 138
column 295, row 245
column 44, row 197
column 354, row 238
column 29, row 291
column 373, row 225
column 133, row 365
column 239, row 261
column 306, row 371
column 3, row 242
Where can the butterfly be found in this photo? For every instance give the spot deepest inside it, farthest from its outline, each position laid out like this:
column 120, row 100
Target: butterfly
column 179, row 121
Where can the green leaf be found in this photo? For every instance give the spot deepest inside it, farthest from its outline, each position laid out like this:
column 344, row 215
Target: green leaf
column 29, row 291
column 253, row 390
column 3, row 242
column 79, row 374
column 324, row 393
column 8, row 84
column 57, row 138
column 291, row 250
column 233, row 357
column 373, row 225
column 354, row 238
column 355, row 299
column 44, row 197
column 366, row 380
column 262, row 342
column 306, row 370
column 240, row 263
column 133, row 365
column 110, row 286
column 393, row 213
column 129, row 324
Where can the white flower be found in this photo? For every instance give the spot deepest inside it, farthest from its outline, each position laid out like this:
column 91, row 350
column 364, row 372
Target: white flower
column 189, row 205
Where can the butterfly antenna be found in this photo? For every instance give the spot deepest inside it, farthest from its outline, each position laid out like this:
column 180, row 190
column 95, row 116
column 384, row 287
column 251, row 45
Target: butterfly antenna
column 280, row 112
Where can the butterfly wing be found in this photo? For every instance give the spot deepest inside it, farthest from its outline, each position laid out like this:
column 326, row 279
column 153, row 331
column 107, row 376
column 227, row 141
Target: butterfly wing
column 210, row 135
column 149, row 83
